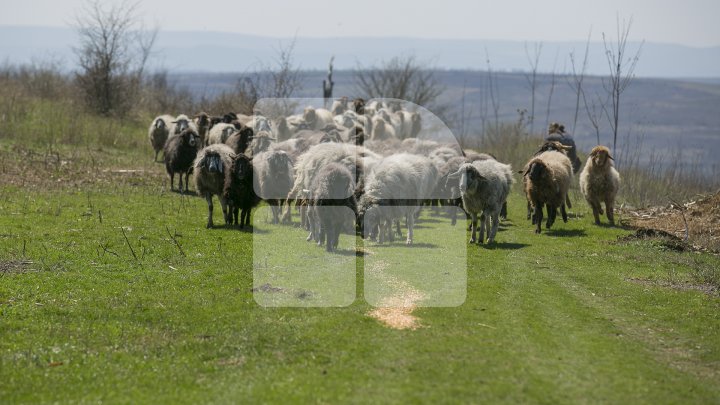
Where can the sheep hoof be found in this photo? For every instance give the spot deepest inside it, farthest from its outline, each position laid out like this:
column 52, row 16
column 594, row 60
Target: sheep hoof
column 472, row 240
column 537, row 231
column 209, row 225
column 408, row 242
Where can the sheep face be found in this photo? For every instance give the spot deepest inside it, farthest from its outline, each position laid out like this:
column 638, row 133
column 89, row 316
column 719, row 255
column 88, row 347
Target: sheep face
column 262, row 124
column 469, row 179
column 159, row 123
column 242, row 168
column 309, row 115
column 191, row 138
column 213, row 163
column 181, row 125
column 600, row 156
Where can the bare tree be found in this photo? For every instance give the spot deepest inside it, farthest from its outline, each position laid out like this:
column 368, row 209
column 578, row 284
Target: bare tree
column 328, row 84
column 553, row 76
column 577, row 78
column 534, row 61
column 113, row 50
column 621, row 72
column 403, row 78
column 594, row 109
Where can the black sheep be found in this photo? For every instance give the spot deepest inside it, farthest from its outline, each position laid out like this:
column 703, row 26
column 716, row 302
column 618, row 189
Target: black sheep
column 180, row 152
column 239, row 191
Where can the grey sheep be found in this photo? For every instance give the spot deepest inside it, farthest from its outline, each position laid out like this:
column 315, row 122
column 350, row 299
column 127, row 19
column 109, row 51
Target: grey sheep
column 484, row 188
column 179, row 153
column 275, row 175
column 209, row 170
column 159, row 132
column 331, row 200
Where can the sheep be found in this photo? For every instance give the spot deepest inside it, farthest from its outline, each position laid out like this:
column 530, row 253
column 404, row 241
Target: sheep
column 382, row 129
column 275, row 175
column 339, row 106
column 556, row 132
column 294, row 147
column 158, row 132
column 359, row 106
column 239, row 191
column 181, row 123
column 317, row 118
column 261, row 142
column 545, row 147
column 240, row 139
column 547, row 180
column 222, row 131
column 331, row 194
column 179, row 153
column 599, row 182
column 484, row 189
column 209, row 169
column 394, row 189
column 410, row 124
column 203, row 124
column 318, row 156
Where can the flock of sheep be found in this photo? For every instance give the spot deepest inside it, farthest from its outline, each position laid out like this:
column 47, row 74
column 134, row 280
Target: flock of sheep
column 369, row 160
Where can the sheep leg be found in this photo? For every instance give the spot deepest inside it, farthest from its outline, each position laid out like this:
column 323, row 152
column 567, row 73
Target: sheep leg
column 225, row 208
column 172, row 181
column 564, row 213
column 483, row 222
column 493, row 231
column 529, row 210
column 610, row 211
column 410, row 219
column 597, row 211
column 552, row 213
column 473, row 227
column 156, row 153
column 503, row 211
column 187, row 178
column 567, row 201
column 287, row 217
column 538, row 217
column 180, row 182
column 397, row 227
column 208, row 198
column 330, row 235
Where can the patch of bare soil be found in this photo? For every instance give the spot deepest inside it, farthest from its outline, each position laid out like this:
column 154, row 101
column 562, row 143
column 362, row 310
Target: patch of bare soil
column 75, row 168
column 396, row 310
column 682, row 286
column 696, row 223
column 15, row 266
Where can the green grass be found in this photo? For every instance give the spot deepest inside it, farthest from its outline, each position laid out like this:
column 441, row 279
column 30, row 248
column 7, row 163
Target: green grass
column 546, row 318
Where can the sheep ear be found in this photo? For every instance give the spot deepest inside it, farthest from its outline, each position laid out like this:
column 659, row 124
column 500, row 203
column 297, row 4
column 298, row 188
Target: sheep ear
column 611, row 158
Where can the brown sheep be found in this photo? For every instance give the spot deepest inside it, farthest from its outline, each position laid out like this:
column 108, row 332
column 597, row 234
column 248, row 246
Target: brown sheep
column 547, row 180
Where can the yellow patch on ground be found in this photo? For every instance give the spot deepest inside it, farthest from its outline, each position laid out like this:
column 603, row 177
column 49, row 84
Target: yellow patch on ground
column 396, row 310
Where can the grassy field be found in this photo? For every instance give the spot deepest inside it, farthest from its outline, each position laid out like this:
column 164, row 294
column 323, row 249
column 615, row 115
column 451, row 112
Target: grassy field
column 111, row 289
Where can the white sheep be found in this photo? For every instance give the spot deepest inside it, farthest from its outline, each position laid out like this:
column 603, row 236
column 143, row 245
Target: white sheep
column 394, row 189
column 219, row 133
column 484, row 189
column 317, row 118
column 599, row 182
column 181, row 123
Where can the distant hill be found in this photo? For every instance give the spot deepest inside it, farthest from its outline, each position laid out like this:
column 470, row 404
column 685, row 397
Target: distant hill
column 668, row 115
column 228, row 52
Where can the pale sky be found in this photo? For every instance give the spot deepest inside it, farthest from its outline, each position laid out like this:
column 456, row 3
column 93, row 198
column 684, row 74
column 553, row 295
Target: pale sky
column 688, row 22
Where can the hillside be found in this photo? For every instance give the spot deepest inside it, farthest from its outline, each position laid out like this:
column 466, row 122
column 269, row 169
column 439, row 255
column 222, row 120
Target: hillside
column 669, row 116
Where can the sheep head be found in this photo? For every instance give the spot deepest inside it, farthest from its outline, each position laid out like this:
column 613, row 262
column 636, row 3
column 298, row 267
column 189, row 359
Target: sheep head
column 536, row 170
column 469, row 177
column 159, row 123
column 190, row 137
column 181, row 125
column 212, row 162
column 359, row 105
column 600, row 156
column 309, row 115
column 203, row 119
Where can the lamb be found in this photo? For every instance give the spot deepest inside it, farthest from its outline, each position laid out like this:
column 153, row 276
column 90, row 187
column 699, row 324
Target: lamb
column 159, row 131
column 180, row 152
column 331, row 194
column 484, row 188
column 275, row 175
column 547, row 180
column 317, row 118
column 239, row 191
column 394, row 189
column 599, row 182
column 209, row 169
